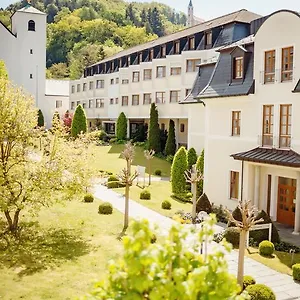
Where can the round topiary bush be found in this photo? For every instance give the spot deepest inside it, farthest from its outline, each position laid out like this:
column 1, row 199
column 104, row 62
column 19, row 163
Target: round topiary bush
column 266, row 248
column 296, row 272
column 166, row 204
column 112, row 178
column 105, row 208
column 232, row 235
column 248, row 280
column 88, row 198
column 157, row 172
column 113, row 184
column 260, row 292
column 203, row 204
column 145, row 195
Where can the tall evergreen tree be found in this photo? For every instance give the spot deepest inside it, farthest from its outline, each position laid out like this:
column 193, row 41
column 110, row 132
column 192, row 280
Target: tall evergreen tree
column 55, row 119
column 154, row 132
column 79, row 123
column 179, row 166
column 192, row 157
column 200, row 168
column 171, row 141
column 40, row 121
column 122, row 127
column 156, row 22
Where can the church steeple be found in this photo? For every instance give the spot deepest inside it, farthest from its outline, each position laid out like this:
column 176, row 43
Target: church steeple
column 190, row 17
column 191, row 4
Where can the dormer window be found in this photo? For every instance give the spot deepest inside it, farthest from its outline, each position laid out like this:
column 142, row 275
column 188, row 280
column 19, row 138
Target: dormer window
column 192, row 43
column 176, row 47
column 128, row 60
column 140, row 57
column 208, row 39
column 163, row 51
column 238, row 67
column 31, row 25
column 151, row 55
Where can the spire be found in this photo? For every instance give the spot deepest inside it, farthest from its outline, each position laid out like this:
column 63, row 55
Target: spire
column 191, row 4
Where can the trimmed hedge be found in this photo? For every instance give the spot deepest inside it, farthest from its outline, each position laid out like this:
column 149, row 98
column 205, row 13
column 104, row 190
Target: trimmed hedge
column 88, row 198
column 121, row 127
column 114, row 185
column 191, row 157
column 105, row 208
column 157, row 172
column 266, row 248
column 248, row 280
column 203, row 204
column 232, row 235
column 112, row 178
column 260, row 292
column 179, row 166
column 296, row 272
column 166, row 205
column 145, row 195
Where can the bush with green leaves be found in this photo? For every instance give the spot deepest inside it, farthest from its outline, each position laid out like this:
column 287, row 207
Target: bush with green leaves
column 232, row 235
column 157, row 172
column 41, row 121
column 105, row 208
column 154, row 131
column 248, row 280
column 170, row 158
column 266, row 248
column 79, row 123
column 203, row 204
column 122, row 127
column 260, row 292
column 192, row 158
column 170, row 148
column 113, row 178
column 166, row 205
column 144, row 266
column 220, row 213
column 145, row 195
column 114, row 184
column 296, row 272
column 179, row 166
column 182, row 197
column 88, row 198
column 200, row 168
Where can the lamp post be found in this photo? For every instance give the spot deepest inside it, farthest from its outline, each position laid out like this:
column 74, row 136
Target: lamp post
column 202, row 215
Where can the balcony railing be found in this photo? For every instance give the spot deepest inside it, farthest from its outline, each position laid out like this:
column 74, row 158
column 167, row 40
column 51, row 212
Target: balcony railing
column 273, row 141
column 269, row 77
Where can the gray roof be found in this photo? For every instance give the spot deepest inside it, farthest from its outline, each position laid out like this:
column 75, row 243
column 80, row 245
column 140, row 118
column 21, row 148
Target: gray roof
column 288, row 158
column 242, row 16
column 30, row 9
column 240, row 43
column 57, row 88
column 297, row 87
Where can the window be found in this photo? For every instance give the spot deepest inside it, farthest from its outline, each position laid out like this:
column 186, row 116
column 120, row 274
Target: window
column 31, row 25
column 287, row 64
column 124, row 100
column 77, row 103
column 112, row 81
column 174, row 96
column 269, row 75
column 73, row 89
column 236, row 123
column 100, row 84
column 140, row 57
column 99, row 103
column 91, row 85
column 285, row 126
column 72, row 105
column 160, row 97
column 238, row 67
column 83, row 104
column 208, row 39
column 182, row 127
column 147, row 74
column 191, row 65
column 161, row 72
column 30, row 76
column 78, row 88
column 151, row 55
column 111, row 101
column 191, row 43
column 117, row 80
column 188, row 91
column 128, row 61
column 135, row 100
column 90, row 124
column 175, row 71
column 125, row 81
column 58, row 103
column 163, row 51
column 147, row 98
column 135, row 76
column 31, row 51
column 268, row 115
column 176, row 47
column 234, row 185
column 117, row 100
column 84, row 87
column 90, row 103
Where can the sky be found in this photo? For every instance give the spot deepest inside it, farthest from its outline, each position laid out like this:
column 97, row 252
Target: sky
column 212, row 9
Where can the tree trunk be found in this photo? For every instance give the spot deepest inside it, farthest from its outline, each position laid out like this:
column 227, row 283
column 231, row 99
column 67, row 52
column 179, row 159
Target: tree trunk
column 12, row 223
column 149, row 172
column 126, row 214
column 194, row 192
column 9, row 219
column 16, row 219
column 240, row 274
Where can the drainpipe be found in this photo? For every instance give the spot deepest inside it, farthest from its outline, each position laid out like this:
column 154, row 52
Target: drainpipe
column 242, row 181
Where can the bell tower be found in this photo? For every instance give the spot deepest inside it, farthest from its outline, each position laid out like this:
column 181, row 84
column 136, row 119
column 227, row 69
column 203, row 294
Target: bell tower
column 190, row 17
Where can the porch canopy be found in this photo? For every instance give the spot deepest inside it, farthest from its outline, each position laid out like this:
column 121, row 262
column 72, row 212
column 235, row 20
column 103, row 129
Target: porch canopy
column 287, row 158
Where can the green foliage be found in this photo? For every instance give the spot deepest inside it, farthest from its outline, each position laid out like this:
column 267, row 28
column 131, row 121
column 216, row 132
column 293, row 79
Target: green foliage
column 157, row 172
column 112, row 178
column 260, row 292
column 58, row 71
column 105, row 208
column 220, row 213
column 122, row 127
column 55, row 120
column 88, row 198
column 145, row 195
column 200, row 168
column 144, row 266
column 170, row 149
column 296, row 272
column 183, row 197
column 232, row 235
column 40, row 121
column 192, row 157
column 3, row 71
column 203, row 204
column 166, row 205
column 170, row 158
column 154, row 131
column 248, row 280
column 79, row 124
column 179, row 166
column 266, row 248
column 114, row 184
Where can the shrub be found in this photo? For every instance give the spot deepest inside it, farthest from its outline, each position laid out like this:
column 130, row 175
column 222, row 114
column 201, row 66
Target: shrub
column 296, row 272
column 41, row 121
column 260, row 292
column 145, row 195
column 232, row 235
column 171, row 141
column 286, row 247
column 237, row 215
column 182, row 197
column 200, row 168
column 157, row 172
column 203, row 204
column 266, row 248
column 154, row 131
column 112, row 178
column 220, row 213
column 248, row 280
column 170, row 158
column 88, row 198
column 191, row 157
column 121, row 127
column 105, row 208
column 79, row 123
column 114, row 184
column 166, row 204
column 113, row 141
column 179, row 166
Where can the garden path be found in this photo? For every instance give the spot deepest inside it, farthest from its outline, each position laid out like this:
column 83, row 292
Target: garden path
column 283, row 285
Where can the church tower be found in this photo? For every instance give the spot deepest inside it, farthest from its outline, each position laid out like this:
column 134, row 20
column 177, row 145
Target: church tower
column 190, row 18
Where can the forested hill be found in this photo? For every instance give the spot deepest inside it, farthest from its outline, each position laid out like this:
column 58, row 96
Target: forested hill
column 82, row 32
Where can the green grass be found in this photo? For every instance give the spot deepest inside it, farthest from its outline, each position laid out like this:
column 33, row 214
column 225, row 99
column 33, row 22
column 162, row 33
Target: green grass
column 62, row 256
column 160, row 191
column 107, row 158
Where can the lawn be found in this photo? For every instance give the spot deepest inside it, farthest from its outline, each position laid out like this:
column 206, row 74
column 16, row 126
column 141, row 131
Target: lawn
column 107, row 158
column 160, row 191
column 61, row 257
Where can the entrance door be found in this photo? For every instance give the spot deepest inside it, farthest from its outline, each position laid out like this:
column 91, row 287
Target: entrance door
column 286, row 205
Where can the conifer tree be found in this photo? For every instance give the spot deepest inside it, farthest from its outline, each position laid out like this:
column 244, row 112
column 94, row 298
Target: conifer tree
column 192, row 157
column 179, row 166
column 154, row 132
column 200, row 168
column 156, row 22
column 55, row 118
column 41, row 121
column 171, row 141
column 122, row 127
column 79, row 123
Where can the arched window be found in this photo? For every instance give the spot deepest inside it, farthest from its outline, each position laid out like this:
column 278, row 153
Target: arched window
column 31, row 25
